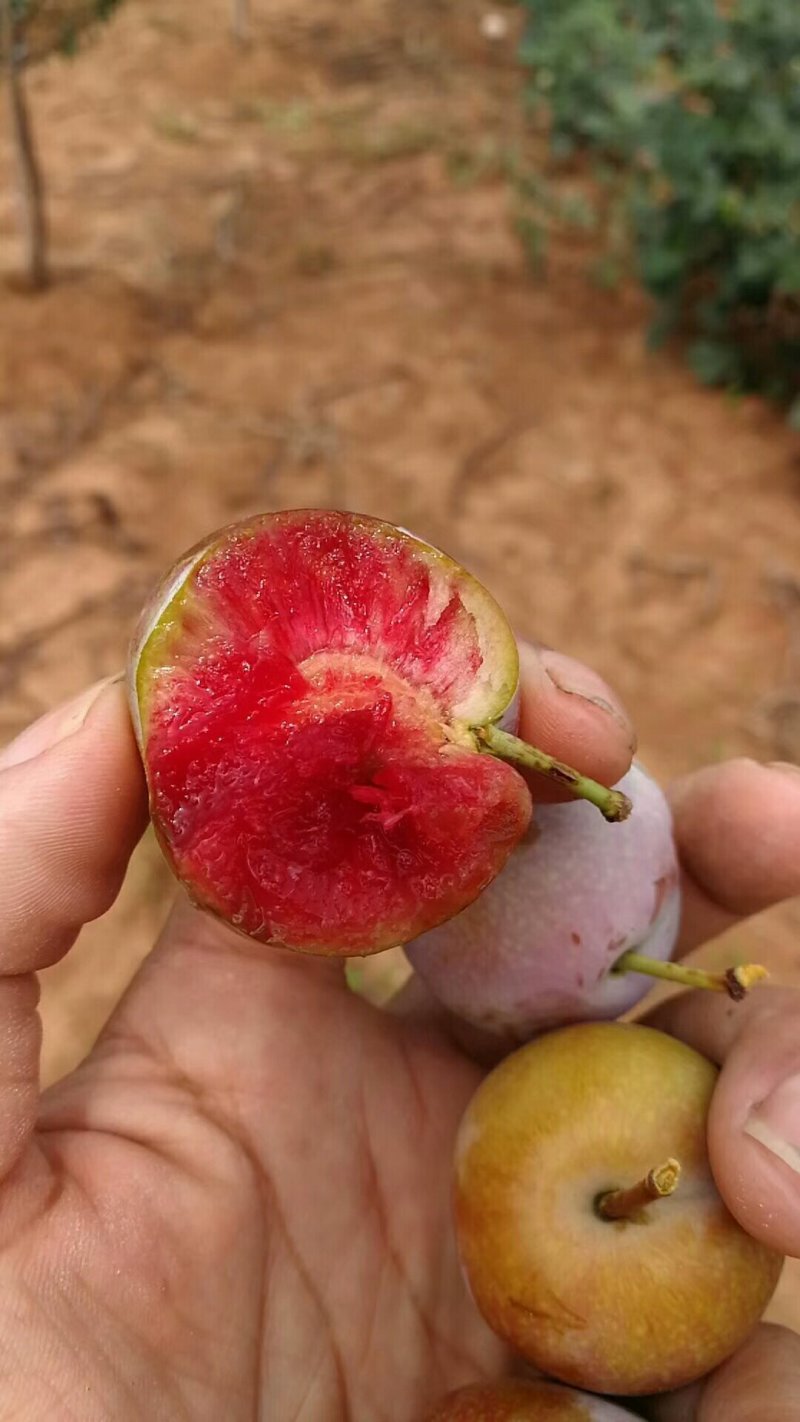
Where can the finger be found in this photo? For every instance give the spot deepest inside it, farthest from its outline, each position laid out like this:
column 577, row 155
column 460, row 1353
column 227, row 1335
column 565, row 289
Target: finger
column 674, row 1406
column 737, row 826
column 568, row 710
column 72, row 806
column 760, row 1383
column 754, row 1120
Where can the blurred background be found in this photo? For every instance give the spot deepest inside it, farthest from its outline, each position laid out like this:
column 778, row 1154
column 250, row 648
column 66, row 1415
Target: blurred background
column 522, row 277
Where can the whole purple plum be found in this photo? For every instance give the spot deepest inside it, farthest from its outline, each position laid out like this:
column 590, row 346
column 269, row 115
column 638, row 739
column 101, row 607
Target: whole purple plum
column 538, row 947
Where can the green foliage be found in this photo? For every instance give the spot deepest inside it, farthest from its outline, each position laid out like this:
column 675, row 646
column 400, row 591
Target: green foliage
column 692, row 110
column 44, row 27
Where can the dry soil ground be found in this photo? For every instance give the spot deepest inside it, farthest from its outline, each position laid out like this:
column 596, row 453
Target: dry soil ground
column 288, row 275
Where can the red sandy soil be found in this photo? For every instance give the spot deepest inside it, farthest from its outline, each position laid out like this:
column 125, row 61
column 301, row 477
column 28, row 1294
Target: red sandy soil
column 287, row 275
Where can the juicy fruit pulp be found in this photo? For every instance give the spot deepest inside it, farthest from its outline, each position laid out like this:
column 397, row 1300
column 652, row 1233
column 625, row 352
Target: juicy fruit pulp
column 626, row 1306
column 536, row 949
column 512, row 1401
column 304, row 688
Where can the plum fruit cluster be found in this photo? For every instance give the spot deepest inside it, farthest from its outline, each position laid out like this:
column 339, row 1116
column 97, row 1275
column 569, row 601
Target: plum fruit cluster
column 326, row 709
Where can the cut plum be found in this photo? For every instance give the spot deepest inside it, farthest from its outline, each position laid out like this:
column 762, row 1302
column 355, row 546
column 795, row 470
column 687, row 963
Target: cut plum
column 306, row 689
column 325, row 707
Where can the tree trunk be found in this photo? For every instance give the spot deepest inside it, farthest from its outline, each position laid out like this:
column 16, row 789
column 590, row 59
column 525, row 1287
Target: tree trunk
column 30, row 187
column 240, row 21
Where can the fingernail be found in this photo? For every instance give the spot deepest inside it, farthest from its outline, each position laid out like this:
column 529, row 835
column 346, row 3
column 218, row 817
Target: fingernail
column 775, row 1122
column 577, row 680
column 55, row 726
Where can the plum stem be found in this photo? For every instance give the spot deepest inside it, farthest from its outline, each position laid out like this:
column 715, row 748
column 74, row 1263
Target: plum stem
column 628, row 1204
column 736, row 982
column 612, row 804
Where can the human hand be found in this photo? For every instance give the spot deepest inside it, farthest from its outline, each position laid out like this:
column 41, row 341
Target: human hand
column 239, row 1205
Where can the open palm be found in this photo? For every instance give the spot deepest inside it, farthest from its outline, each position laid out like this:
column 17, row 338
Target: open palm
column 238, row 1207
column 244, row 1194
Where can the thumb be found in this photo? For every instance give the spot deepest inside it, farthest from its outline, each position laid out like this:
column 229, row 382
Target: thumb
column 754, row 1119
column 72, row 806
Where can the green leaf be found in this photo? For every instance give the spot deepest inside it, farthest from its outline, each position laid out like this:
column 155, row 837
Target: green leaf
column 662, row 328
column 606, row 272
column 713, row 362
column 688, row 112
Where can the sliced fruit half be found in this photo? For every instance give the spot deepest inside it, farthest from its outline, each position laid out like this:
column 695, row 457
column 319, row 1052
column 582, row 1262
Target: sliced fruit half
column 311, row 692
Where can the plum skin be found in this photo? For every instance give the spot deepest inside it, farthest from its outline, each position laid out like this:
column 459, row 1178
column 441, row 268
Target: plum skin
column 536, row 949
column 633, row 1306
